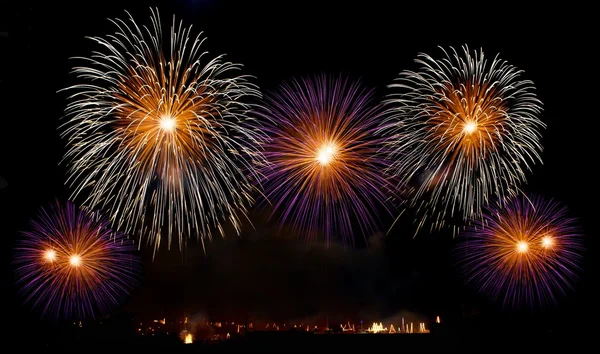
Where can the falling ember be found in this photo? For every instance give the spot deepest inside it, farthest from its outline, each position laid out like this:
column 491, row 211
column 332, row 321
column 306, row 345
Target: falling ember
column 437, row 319
column 188, row 339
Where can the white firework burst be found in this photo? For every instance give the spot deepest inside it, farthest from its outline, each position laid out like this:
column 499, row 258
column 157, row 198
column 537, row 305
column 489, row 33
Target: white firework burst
column 159, row 135
column 461, row 130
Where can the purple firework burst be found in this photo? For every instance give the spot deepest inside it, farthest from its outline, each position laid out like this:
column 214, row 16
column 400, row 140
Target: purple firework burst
column 324, row 173
column 525, row 252
column 72, row 265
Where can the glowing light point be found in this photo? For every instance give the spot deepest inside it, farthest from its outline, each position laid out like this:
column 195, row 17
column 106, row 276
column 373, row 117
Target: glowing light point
column 75, row 260
column 547, row 242
column 326, row 154
column 522, row 247
column 50, row 255
column 470, row 127
column 167, row 124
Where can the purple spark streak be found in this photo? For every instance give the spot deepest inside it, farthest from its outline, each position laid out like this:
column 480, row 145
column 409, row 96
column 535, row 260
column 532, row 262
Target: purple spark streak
column 526, row 252
column 71, row 265
column 324, row 174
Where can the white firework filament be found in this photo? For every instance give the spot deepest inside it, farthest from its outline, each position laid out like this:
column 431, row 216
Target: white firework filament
column 164, row 136
column 468, row 128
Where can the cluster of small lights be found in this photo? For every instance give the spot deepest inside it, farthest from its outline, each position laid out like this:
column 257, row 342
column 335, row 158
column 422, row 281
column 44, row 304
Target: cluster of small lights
column 50, row 257
column 523, row 246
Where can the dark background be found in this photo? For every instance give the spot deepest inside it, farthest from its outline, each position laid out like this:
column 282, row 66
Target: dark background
column 260, row 274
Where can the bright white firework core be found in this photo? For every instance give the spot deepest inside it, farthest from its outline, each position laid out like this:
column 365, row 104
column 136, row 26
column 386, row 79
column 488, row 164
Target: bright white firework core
column 470, row 127
column 75, row 260
column 50, row 255
column 522, row 247
column 326, row 154
column 547, row 241
column 167, row 123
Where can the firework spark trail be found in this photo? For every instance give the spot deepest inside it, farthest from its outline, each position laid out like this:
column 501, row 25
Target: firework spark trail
column 527, row 251
column 324, row 174
column 72, row 265
column 162, row 135
column 461, row 131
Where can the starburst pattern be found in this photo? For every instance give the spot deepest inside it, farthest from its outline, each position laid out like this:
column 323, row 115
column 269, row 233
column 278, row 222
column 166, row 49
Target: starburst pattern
column 159, row 135
column 462, row 130
column 525, row 252
column 324, row 174
column 71, row 265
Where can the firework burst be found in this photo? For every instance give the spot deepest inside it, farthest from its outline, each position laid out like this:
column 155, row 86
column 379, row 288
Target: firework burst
column 324, row 173
column 461, row 131
column 527, row 251
column 71, row 265
column 159, row 132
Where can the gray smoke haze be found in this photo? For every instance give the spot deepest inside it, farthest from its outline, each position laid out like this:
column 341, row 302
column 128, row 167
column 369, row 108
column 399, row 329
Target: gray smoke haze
column 268, row 277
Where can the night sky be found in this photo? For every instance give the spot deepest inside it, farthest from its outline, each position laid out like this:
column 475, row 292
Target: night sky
column 263, row 274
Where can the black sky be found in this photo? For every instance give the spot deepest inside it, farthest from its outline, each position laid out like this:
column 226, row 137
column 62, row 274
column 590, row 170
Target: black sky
column 267, row 276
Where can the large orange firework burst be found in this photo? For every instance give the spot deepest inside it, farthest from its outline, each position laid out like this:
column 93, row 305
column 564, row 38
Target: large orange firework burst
column 324, row 174
column 159, row 137
column 526, row 251
column 72, row 265
column 462, row 130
